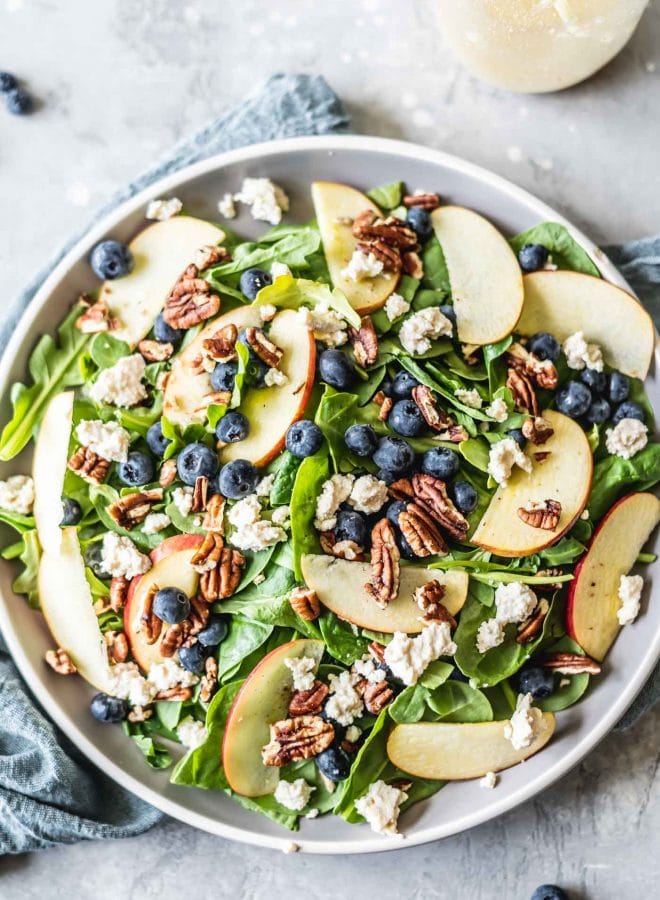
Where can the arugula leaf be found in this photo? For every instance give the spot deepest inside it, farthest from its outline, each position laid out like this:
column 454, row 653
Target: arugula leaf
column 287, row 292
column 387, row 196
column 313, row 471
column 565, row 250
column 340, row 639
column 614, row 477
column 156, row 755
column 26, row 581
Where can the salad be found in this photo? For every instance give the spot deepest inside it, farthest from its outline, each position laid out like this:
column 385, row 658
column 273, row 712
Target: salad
column 332, row 517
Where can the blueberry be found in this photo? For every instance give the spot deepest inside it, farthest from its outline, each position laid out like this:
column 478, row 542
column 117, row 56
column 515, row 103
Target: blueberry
column 156, row 440
column 420, row 222
column 71, row 511
column 165, row 333
column 441, row 463
column 252, row 281
column 336, row 369
column 108, row 709
column 532, row 257
column 545, row 346
column 619, row 387
column 214, row 633
column 94, row 560
column 19, row 102
column 595, row 381
column 255, row 372
column 351, row 526
column 518, row 437
column 303, row 438
column 449, row 312
column 232, row 427
column 224, row 375
column 406, row 550
column 465, row 496
column 193, row 658
column 628, row 410
column 7, row 82
column 334, row 763
column 402, row 386
column 598, row 412
column 195, row 460
column 537, row 681
column 394, row 510
column 361, row 440
column 137, row 470
column 111, row 259
column 406, row 418
column 171, row 605
column 394, row 454
column 549, row 892
column 388, row 476
column 573, row 399
column 237, row 479
column 386, row 386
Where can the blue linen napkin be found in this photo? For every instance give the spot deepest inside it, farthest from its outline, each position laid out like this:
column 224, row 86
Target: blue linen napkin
column 48, row 793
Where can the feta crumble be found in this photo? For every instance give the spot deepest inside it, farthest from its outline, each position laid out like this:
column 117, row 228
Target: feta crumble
column 279, row 268
column 17, row 494
column 275, row 378
column 121, row 558
column 630, row 595
column 335, row 491
column 107, row 439
column 303, row 672
column 521, row 728
column 227, row 207
column 293, row 794
column 353, row 734
column 503, row 456
column 580, row 355
column 183, row 500
column 169, row 674
column 627, row 438
column 267, row 312
column 282, row 516
column 381, row 806
column 128, row 683
column 251, row 531
column 514, row 602
column 327, row 325
column 344, row 703
column 361, row 266
column 155, row 522
column 366, row 668
column 121, row 384
column 159, row 210
column 417, row 332
column 498, row 410
column 267, row 200
column 265, row 486
column 191, row 733
column 469, row 398
column 489, row 780
column 396, row 306
column 368, row 494
column 489, row 634
column 408, row 657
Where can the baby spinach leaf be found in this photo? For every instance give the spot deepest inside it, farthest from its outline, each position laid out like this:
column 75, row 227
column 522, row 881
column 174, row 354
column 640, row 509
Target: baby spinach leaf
column 495, row 367
column 565, row 250
column 436, row 273
column 410, row 705
column 102, row 495
column 614, row 477
column 387, row 196
column 435, row 674
column 15, row 520
column 566, row 551
column 106, row 350
column 140, row 418
column 156, row 755
column 370, row 763
column 340, row 639
column 455, row 701
column 256, row 563
column 184, row 524
column 313, row 471
column 570, row 693
column 243, row 637
column 292, row 249
column 285, row 476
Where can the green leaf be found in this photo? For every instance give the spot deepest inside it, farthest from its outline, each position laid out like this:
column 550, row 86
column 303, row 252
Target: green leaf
column 570, row 693
column 436, row 273
column 313, row 471
column 106, row 350
column 387, row 196
column 495, row 366
column 340, row 639
column 140, row 418
column 156, row 755
column 614, row 477
column 435, row 674
column 455, row 701
column 19, row 523
column 102, row 495
column 169, row 713
column 565, row 250
column 410, row 705
column 285, row 476
column 292, row 249
column 287, row 292
column 26, row 582
column 243, row 637
column 370, row 763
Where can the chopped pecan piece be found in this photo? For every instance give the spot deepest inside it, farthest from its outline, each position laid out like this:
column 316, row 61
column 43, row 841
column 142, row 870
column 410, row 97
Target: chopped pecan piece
column 117, row 645
column 178, row 692
column 541, row 372
column 377, row 694
column 365, row 342
column 429, row 599
column 190, row 301
column 392, row 232
column 412, row 265
column 385, row 409
column 60, row 662
column 385, row 568
column 389, row 256
column 309, row 703
column 522, row 389
column 529, row 629
column 214, row 516
column 118, row 593
column 173, row 638
column 341, row 549
column 377, row 651
column 167, row 473
column 537, row 430
column 265, row 349
column 305, row 602
column 89, row 465
column 155, row 351
column 545, row 514
column 220, row 582
column 131, row 509
column 453, row 433
column 435, row 418
column 379, row 398
column 431, row 494
column 301, row 737
column 428, row 202
column 150, row 624
column 208, row 684
column 401, row 489
column 210, row 255
column 421, row 532
column 542, row 456
column 140, row 714
column 198, row 617
column 549, row 573
column 571, row 664
column 207, row 556
column 221, row 346
column 96, row 318
column 200, row 492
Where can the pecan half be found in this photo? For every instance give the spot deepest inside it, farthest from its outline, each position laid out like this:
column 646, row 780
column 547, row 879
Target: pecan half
column 118, row 593
column 305, row 602
column 140, row 714
column 214, row 516
column 89, row 465
column 167, row 474
column 429, row 599
column 221, row 346
column 412, row 265
column 117, row 645
column 173, row 638
column 401, row 489
column 265, row 349
column 537, row 430
column 210, row 255
column 365, row 342
column 301, row 737
column 220, row 582
column 531, row 627
column 453, row 433
column 178, row 692
column 60, row 662
column 545, row 514
column 571, row 664
column 435, row 418
column 340, row 549
column 385, row 409
column 385, row 568
column 190, row 301
column 200, row 492
column 199, row 615
column 150, row 624
column 431, row 494
column 391, row 231
column 377, row 694
column 207, row 556
column 541, row 372
column 131, row 509
column 389, row 256
column 309, row 703
column 522, row 389
column 428, row 202
column 421, row 532
column 96, row 318
column 208, row 684
column 155, row 351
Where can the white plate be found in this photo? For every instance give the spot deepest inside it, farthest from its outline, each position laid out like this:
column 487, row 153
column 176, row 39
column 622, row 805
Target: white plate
column 364, row 162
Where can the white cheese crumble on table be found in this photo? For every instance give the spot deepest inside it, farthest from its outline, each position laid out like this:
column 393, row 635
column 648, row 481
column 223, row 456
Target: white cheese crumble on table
column 361, row 266
column 303, row 671
column 327, row 325
column 396, row 306
column 121, row 558
column 155, row 522
column 503, row 456
column 121, row 384
column 251, row 531
column 107, row 439
column 183, row 500
column 408, row 657
column 521, row 728
column 381, row 806
column 267, row 200
column 344, row 703
column 417, row 332
column 627, row 438
column 159, row 210
column 227, row 207
column 469, row 398
column 17, row 494
column 275, row 378
column 630, row 595
column 282, row 516
column 265, row 486
column 267, row 312
column 580, row 355
column 498, row 410
column 368, row 494
column 489, row 634
column 279, row 268
column 489, row 780
column 293, row 794
column 191, row 733
column 335, row 491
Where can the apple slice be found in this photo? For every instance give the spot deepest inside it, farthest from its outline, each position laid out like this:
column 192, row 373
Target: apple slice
column 339, row 585
column 564, row 302
column 564, row 476
column 161, row 252
column 593, row 602
column 49, row 468
column 171, row 568
column 67, row 604
column 263, row 699
column 452, row 752
column 486, row 282
column 335, row 204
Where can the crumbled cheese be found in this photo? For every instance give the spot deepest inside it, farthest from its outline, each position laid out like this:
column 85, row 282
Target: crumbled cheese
column 275, row 378
column 584, row 515
column 259, row 579
column 245, row 512
column 251, row 531
column 282, row 516
column 627, row 438
column 183, row 500
column 312, row 814
column 344, row 703
column 169, row 674
column 489, row 780
column 366, row 668
column 417, row 332
column 335, row 491
column 368, row 494
column 521, row 729
column 498, row 410
column 163, row 209
column 514, row 602
column 353, row 734
column 303, row 671
column 265, row 486
column 267, row 200
column 121, row 558
column 279, row 268
column 291, row 847
column 293, row 794
column 121, row 384
column 191, row 733
column 227, row 207
column 267, row 312
column 328, row 326
column 630, row 595
column 127, row 682
column 579, row 354
column 17, row 494
column 396, row 306
column 503, row 456
column 381, row 806
column 362, row 265
column 490, row 634
column 156, row 522
column 107, row 439
column 408, row 657
column 469, row 398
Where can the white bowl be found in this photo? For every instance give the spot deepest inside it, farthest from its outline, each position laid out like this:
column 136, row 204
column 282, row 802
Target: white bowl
column 364, row 162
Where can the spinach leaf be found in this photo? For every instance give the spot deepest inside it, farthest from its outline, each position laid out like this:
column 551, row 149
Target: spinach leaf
column 185, row 524
column 614, row 477
column 565, row 250
column 285, row 476
column 436, row 273
column 287, row 292
column 156, row 755
column 256, row 563
column 455, row 701
column 102, row 495
column 292, row 249
column 313, row 471
column 243, row 637
column 106, row 350
column 140, row 418
column 340, row 639
column 26, row 581
column 446, row 390
column 387, row 196
column 495, row 367
column 370, row 763
column 410, row 705
column 570, row 693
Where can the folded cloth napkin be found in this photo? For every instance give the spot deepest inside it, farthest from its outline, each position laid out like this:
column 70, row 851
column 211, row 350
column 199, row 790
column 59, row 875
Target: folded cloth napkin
column 48, row 793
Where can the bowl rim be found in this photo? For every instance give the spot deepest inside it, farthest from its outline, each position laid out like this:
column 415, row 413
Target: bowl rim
column 179, row 811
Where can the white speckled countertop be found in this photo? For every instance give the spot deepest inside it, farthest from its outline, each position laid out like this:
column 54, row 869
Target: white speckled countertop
column 122, row 80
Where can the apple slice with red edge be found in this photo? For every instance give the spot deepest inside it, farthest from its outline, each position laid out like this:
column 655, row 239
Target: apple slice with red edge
column 339, row 585
column 456, row 751
column 593, row 601
column 171, row 568
column 262, row 700
column 336, row 205
column 565, row 475
column 51, row 452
